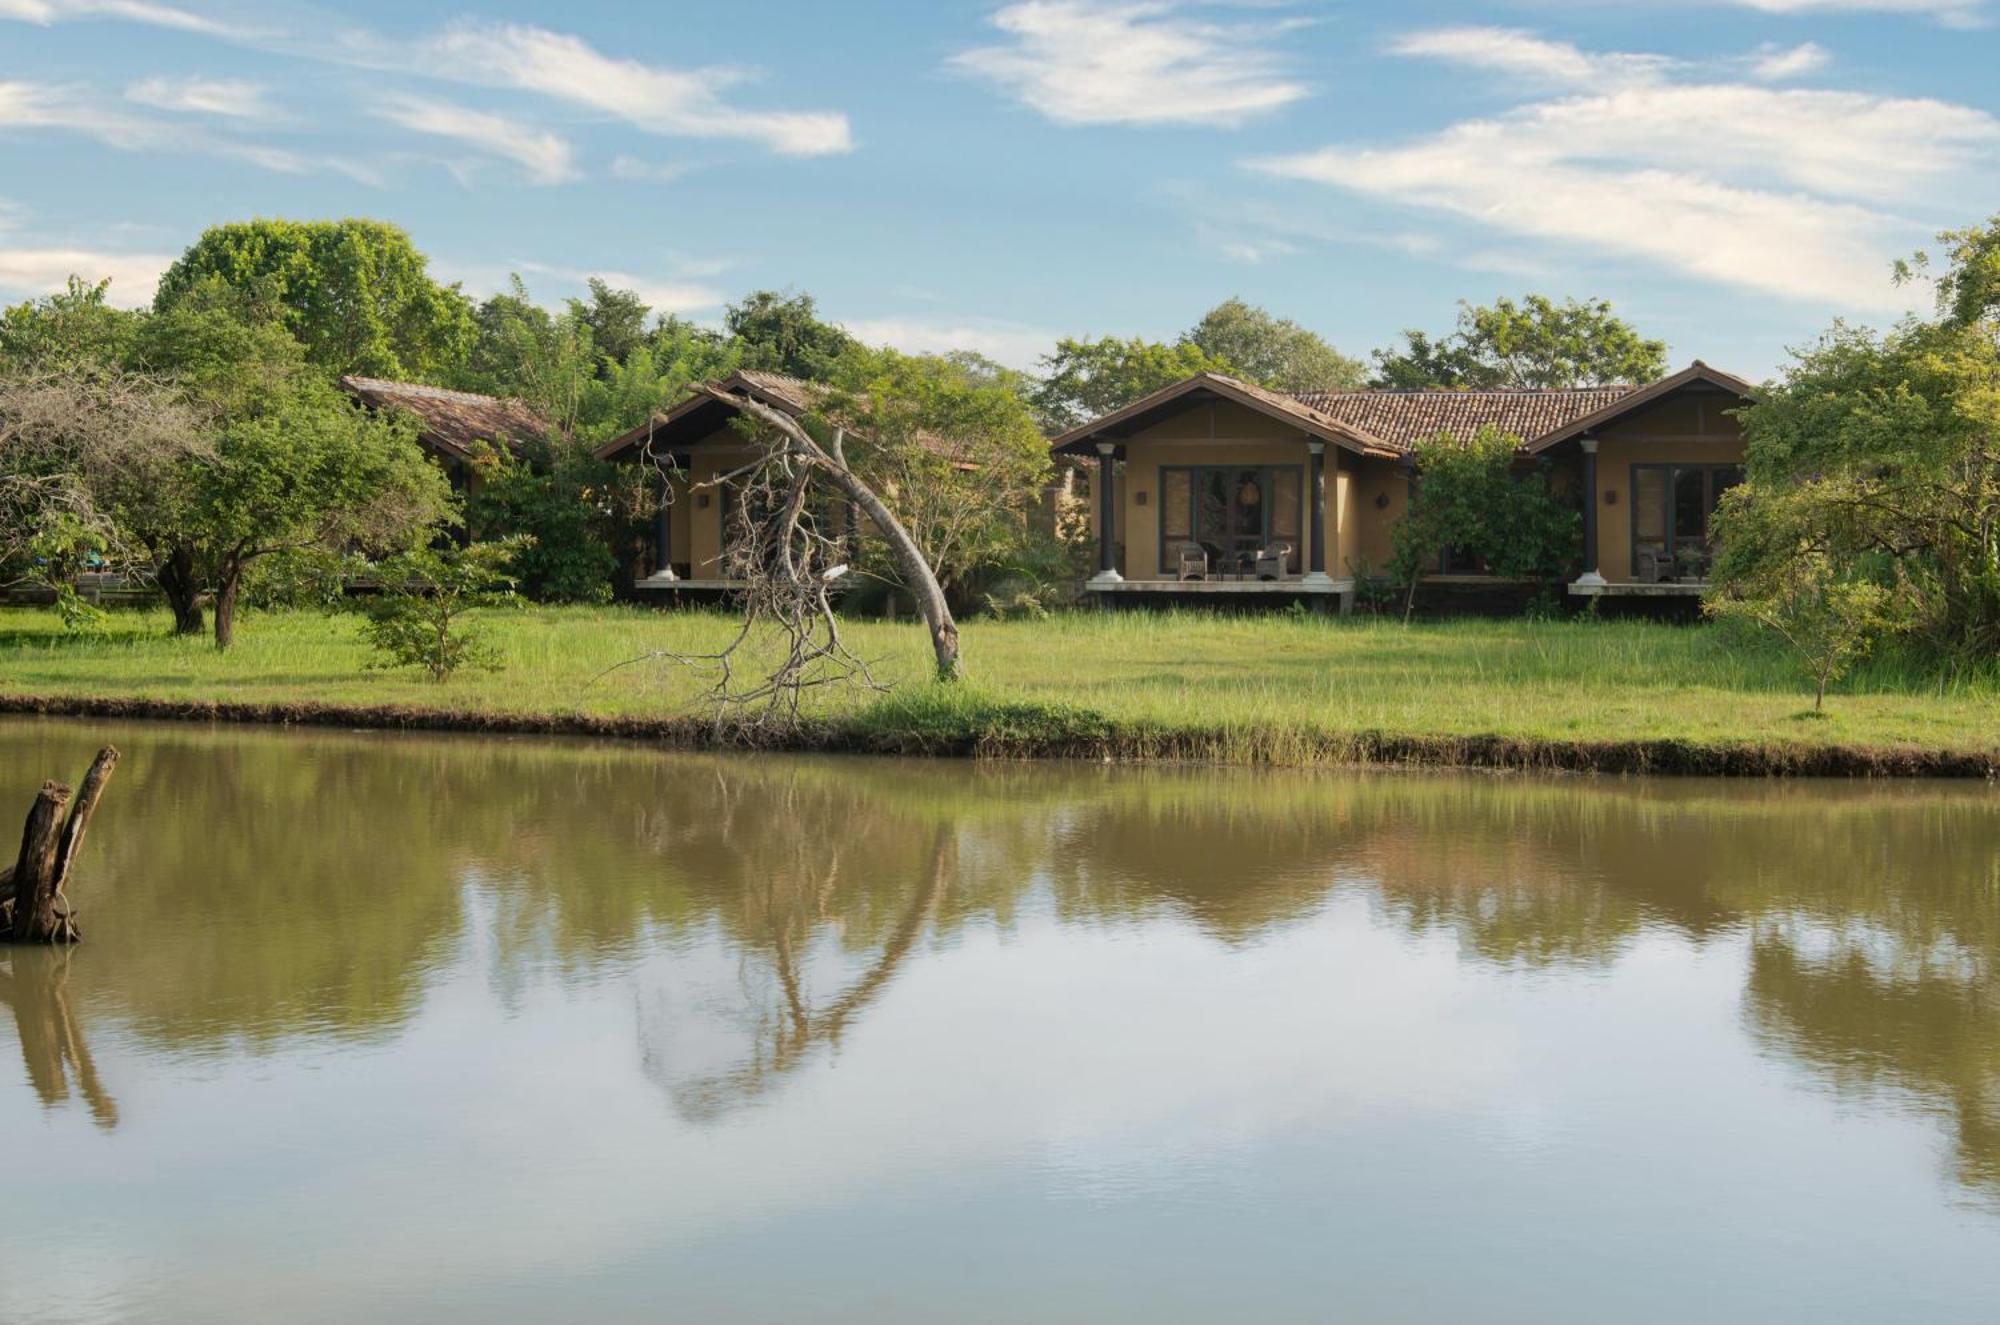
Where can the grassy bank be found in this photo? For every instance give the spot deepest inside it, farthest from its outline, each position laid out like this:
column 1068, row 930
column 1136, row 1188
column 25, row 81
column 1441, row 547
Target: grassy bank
column 1170, row 685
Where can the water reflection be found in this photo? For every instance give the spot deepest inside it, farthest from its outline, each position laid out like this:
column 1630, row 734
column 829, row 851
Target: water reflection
column 249, row 891
column 53, row 1049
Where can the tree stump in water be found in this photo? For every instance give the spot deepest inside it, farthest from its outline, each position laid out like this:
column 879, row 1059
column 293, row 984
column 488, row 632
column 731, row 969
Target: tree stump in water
column 33, row 908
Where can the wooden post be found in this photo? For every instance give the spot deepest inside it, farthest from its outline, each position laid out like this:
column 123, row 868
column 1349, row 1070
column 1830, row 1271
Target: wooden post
column 35, row 868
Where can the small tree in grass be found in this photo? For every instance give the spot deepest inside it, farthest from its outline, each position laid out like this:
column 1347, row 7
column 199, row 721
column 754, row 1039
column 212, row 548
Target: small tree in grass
column 418, row 620
column 1777, row 571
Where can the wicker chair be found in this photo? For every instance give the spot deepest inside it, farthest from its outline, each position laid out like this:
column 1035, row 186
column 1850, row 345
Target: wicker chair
column 1193, row 562
column 1272, row 560
column 1647, row 566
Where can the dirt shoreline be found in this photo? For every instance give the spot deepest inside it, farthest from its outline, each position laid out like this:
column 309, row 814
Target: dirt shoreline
column 1094, row 741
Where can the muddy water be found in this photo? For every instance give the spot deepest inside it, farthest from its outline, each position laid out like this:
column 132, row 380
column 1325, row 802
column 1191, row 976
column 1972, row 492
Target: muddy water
column 388, row 1028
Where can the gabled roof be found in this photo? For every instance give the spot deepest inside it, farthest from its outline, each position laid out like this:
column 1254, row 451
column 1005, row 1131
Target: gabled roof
column 455, row 422
column 1148, row 409
column 1405, row 418
column 1391, row 423
column 1695, row 374
column 700, row 416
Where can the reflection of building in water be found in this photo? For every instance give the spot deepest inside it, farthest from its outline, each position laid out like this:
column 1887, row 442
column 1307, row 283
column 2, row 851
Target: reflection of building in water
column 52, row 1043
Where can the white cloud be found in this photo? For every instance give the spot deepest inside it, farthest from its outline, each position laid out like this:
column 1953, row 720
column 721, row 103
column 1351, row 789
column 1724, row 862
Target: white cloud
column 546, row 156
column 33, row 272
column 1952, row 13
column 634, row 168
column 683, row 102
column 1010, row 343
column 1781, row 191
column 1143, row 62
column 230, row 98
column 66, row 108
column 1776, row 63
column 1525, row 55
column 46, row 12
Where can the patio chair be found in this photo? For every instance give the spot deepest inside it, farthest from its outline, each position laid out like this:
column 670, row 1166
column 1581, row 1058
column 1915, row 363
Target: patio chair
column 1193, row 562
column 1646, row 566
column 1272, row 560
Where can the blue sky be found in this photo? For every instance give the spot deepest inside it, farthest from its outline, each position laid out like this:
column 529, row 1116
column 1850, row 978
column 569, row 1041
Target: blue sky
column 1732, row 174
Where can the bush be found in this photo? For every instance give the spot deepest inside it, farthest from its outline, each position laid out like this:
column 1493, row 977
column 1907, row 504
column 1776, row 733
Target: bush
column 417, row 620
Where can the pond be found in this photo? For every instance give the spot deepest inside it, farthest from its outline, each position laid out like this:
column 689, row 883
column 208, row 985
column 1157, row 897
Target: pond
column 406, row 1028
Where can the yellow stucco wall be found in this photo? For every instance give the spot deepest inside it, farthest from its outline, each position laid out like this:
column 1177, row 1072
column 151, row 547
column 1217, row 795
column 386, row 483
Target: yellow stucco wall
column 1679, row 430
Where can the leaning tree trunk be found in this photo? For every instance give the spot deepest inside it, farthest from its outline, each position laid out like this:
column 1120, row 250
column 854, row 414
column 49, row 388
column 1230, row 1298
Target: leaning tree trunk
column 31, row 893
column 917, row 575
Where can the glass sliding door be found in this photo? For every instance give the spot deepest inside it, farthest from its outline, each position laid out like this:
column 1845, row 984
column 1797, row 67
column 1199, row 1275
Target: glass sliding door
column 1672, row 506
column 1232, row 512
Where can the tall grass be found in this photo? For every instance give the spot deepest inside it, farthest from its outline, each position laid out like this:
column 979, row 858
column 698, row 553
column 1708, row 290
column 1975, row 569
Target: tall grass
column 1249, row 686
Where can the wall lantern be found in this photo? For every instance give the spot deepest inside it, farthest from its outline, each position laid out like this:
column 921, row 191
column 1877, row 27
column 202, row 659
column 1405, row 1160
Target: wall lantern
column 1139, row 497
column 1611, row 496
column 1381, row 501
column 701, row 500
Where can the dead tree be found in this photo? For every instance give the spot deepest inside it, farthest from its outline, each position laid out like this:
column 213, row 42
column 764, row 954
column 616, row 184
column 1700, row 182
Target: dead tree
column 795, row 448
column 33, row 908
column 789, row 565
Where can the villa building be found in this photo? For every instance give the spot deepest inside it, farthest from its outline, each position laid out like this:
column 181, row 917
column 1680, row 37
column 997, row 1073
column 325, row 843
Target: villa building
column 1214, row 487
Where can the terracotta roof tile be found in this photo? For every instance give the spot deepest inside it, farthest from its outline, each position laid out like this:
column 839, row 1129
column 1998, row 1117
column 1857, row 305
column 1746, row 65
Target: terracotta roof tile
column 453, row 421
column 1404, row 418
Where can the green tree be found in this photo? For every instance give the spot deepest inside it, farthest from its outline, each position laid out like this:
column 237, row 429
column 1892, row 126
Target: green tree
column 1085, row 379
column 1968, row 290
column 1787, row 579
column 784, row 334
column 955, row 453
column 1472, row 497
column 1885, row 451
column 559, row 512
column 1273, row 351
column 418, row 620
column 1536, row 343
column 69, row 329
column 616, row 318
column 355, row 293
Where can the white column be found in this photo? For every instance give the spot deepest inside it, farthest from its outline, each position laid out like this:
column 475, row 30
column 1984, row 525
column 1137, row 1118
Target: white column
column 1590, row 579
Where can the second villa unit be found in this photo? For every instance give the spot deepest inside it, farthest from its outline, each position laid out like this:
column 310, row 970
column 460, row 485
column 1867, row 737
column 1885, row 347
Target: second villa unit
column 1215, row 486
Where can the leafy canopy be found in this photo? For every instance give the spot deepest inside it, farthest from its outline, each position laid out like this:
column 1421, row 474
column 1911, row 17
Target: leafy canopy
column 1084, row 379
column 1273, row 351
column 1536, row 343
column 356, row 294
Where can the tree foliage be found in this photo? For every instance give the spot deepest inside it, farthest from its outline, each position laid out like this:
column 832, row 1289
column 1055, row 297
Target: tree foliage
column 356, row 294
column 1884, row 452
column 1472, row 497
column 1085, row 379
column 1273, row 351
column 1535, row 343
column 783, row 333
column 418, row 618
column 955, row 452
column 1784, row 569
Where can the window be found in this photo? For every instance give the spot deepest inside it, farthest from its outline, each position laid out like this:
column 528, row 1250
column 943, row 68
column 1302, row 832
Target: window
column 1232, row 512
column 1671, row 509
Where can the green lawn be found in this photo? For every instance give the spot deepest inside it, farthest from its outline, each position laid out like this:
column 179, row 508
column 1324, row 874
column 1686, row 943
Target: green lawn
column 1262, row 682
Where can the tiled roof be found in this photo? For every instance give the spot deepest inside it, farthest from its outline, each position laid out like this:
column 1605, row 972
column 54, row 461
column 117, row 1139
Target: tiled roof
column 453, row 421
column 1404, row 418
